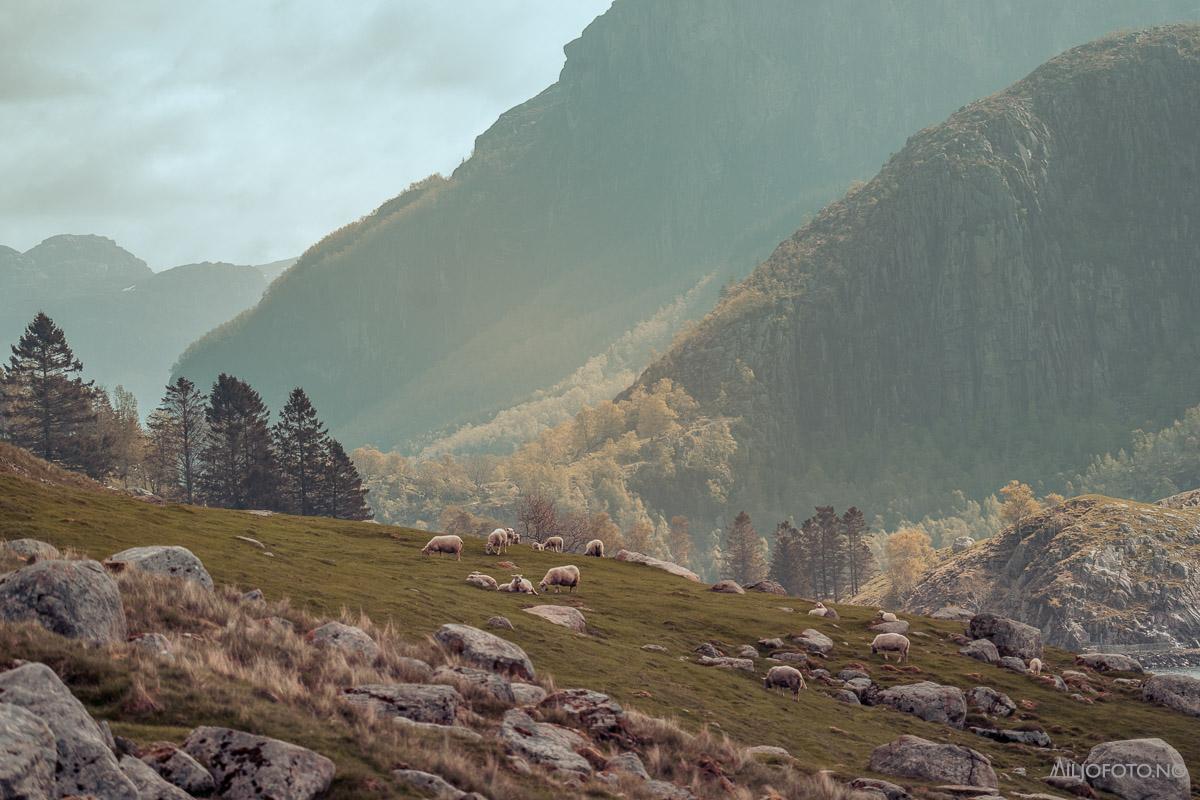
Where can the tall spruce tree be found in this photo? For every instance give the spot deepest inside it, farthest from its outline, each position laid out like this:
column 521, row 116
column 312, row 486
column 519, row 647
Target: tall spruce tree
column 832, row 551
column 302, row 444
column 178, row 430
column 239, row 468
column 342, row 492
column 787, row 564
column 743, row 561
column 48, row 407
column 858, row 553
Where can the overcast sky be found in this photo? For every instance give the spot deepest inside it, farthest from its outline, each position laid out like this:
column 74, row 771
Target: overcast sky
column 244, row 131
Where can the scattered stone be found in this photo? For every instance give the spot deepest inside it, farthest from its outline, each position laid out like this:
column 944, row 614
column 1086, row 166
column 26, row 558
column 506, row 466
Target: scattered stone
column 253, row 595
column 1167, row 777
column 170, row 560
column 29, row 755
column 153, row 644
column 428, row 784
column 1014, row 664
column 552, row 746
column 727, row 587
column 899, row 626
column 566, row 616
column 527, row 694
column 921, row 759
column 246, row 766
column 1011, row 638
column 981, row 650
column 850, row 673
column 416, row 670
column 846, row 696
column 350, row 640
column 772, row 644
column 792, row 656
column 1178, row 692
column 864, row 689
column 486, row 650
column 499, row 623
column 594, row 712
column 1110, row 662
column 768, row 587
column 747, row 651
column 31, row 549
column 654, row 648
column 930, row 701
column 709, row 649
column 814, row 641
column 991, row 702
column 435, row 703
column 724, row 662
column 657, row 563
column 150, row 785
column 489, row 682
column 76, row 599
column 1032, row 738
column 180, row 769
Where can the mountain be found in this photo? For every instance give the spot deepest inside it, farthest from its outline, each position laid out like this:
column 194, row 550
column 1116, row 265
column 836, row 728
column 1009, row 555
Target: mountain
column 1013, row 292
column 682, row 138
column 126, row 322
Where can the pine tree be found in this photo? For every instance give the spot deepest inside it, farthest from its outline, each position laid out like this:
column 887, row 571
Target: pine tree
column 239, row 468
column 832, row 551
column 342, row 492
column 810, row 548
column 48, row 407
column 179, row 432
column 744, row 560
column 302, row 444
column 858, row 554
column 786, row 563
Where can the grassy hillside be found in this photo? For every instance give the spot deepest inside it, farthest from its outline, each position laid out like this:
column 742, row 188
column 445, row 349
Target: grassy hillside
column 324, row 565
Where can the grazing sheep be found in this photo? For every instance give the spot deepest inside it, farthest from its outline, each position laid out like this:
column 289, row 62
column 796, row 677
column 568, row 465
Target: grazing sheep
column 1035, row 666
column 885, row 616
column 538, row 546
column 497, row 542
column 594, row 548
column 561, row 576
column 555, row 543
column 513, row 536
column 444, row 544
column 886, row 643
column 518, row 585
column 784, row 677
column 482, row 581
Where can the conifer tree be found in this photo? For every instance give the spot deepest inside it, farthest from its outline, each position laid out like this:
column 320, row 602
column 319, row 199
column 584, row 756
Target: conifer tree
column 302, row 444
column 743, row 561
column 786, row 559
column 342, row 492
column 858, row 553
column 239, row 468
column 680, row 540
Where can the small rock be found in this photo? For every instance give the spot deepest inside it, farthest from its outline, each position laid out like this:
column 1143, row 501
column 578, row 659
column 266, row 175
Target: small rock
column 253, row 595
column 347, row 638
column 1032, row 738
column 552, row 746
column 899, row 626
column 566, row 616
column 169, row 560
column 246, row 766
column 654, row 648
column 153, row 644
column 430, row 728
column 850, row 673
column 629, row 763
column 772, row 644
column 709, row 649
column 499, row 623
column 1014, row 664
column 846, row 696
column 495, row 685
column 889, row 790
column 769, row 752
column 727, row 587
column 747, row 651
column 594, row 712
column 527, row 694
column 814, row 641
column 991, row 702
column 486, row 650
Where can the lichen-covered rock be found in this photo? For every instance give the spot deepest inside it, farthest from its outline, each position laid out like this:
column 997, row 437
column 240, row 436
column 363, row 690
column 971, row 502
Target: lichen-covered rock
column 435, row 703
column 921, row 759
column 1178, row 692
column 28, row 755
column 250, row 767
column 428, row 784
column 814, row 641
column 463, row 677
column 981, row 650
column 76, row 599
column 1013, row 664
column 929, row 701
column 150, row 785
column 552, row 746
column 499, row 623
column 991, row 702
column 565, row 616
column 349, row 639
column 179, row 769
column 1012, row 638
column 1158, row 773
column 889, row 790
column 527, row 694
column 725, row 662
column 485, row 650
column 595, row 712
column 657, row 563
column 169, row 560
column 31, row 549
column 86, row 764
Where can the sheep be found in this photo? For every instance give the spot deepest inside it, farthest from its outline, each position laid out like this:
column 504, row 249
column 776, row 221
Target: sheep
column 497, row 542
column 513, row 536
column 785, row 677
column 819, row 610
column 538, row 546
column 1035, row 666
column 554, row 543
column 561, row 576
column 518, row 585
column 594, row 548
column 478, row 579
column 885, row 616
column 886, row 643
column 444, row 544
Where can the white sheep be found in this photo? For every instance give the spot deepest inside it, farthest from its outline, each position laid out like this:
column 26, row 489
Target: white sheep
column 785, row 677
column 1035, row 666
column 885, row 616
column 555, row 543
column 886, row 643
column 538, row 546
column 482, row 581
column 447, row 543
column 594, row 548
column 513, row 536
column 819, row 610
column 561, row 576
column 497, row 542
column 517, row 585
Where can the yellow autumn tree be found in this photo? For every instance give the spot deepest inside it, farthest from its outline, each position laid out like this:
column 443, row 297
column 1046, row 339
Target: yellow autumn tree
column 1019, row 502
column 909, row 554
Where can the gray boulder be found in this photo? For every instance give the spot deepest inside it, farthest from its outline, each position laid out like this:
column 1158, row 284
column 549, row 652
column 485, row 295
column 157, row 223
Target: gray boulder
column 553, row 746
column 180, row 769
column 1032, row 738
column 727, row 587
column 629, row 763
column 952, row 612
column 491, row 683
column 86, row 764
column 921, row 759
column 28, row 755
column 250, row 767
column 991, row 702
column 527, row 694
column 76, row 599
column 1138, row 769
column 768, row 587
column 899, row 626
column 169, row 560
column 1178, row 692
column 888, row 789
column 499, row 623
column 428, row 784
column 486, row 650
column 594, row 712
column 1013, row 664
column 566, row 616
column 981, row 650
column 725, row 662
column 420, row 702
column 350, row 640
column 1110, row 662
column 1011, row 638
column 814, row 641
column 930, row 701
column 150, row 785
column 31, row 549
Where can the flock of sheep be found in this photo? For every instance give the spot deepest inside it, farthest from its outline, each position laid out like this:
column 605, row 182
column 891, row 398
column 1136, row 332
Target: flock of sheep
column 498, row 541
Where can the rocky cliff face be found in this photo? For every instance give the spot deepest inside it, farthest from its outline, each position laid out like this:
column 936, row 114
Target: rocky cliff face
column 1092, row 570
column 682, row 139
column 1013, row 291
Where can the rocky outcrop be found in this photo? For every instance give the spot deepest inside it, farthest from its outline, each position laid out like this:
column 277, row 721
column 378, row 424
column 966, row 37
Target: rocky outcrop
column 487, row 681
column 552, row 746
column 76, row 599
column 1138, row 769
column 29, row 755
column 485, row 650
column 248, row 767
column 1178, row 692
column 347, row 638
column 416, row 701
column 930, row 701
column 167, row 560
column 914, row 757
column 657, row 563
column 594, row 712
column 1110, row 662
column 1012, row 638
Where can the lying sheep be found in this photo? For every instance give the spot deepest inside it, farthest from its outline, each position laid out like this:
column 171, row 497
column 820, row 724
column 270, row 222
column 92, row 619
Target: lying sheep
column 554, row 543
column 886, row 643
column 482, row 581
column 497, row 542
column 784, row 677
column 517, row 585
column 513, row 536
column 447, row 543
column 538, row 546
column 885, row 616
column 594, row 548
column 561, row 576
column 819, row 610
column 1035, row 666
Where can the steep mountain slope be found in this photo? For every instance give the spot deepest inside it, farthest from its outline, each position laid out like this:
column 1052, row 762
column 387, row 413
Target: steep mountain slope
column 1014, row 291
column 126, row 322
column 682, row 138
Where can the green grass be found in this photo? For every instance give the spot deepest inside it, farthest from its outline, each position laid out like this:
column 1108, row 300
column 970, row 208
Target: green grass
column 325, row 565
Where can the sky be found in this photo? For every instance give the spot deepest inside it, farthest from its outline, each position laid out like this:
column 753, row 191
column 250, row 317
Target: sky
column 245, row 130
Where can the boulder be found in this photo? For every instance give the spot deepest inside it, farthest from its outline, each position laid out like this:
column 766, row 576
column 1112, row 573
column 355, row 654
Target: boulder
column 489, row 682
column 864, row 689
column 774, row 643
column 991, row 702
column 709, row 649
column 485, row 650
column 814, row 641
column 657, row 563
column 1031, row 738
column 724, row 662
column 553, row 746
column 76, row 599
column 169, row 560
column 31, row 549
column 899, row 626
column 428, row 785
column 1138, row 769
column 747, row 651
column 1011, row 638
column 594, row 712
column 527, row 694
column 499, row 623
column 768, row 587
column 1013, row 664
column 180, row 769
column 350, row 640
column 250, row 767
column 421, row 702
column 921, row 759
column 629, row 763
column 150, row 785
column 1110, row 662
column 29, row 755
column 930, row 701
column 952, row 612
column 727, row 587
column 1178, row 692
column 86, row 764
column 846, row 696
column 962, row 544
column 981, row 650
column 850, row 673
column 566, row 616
